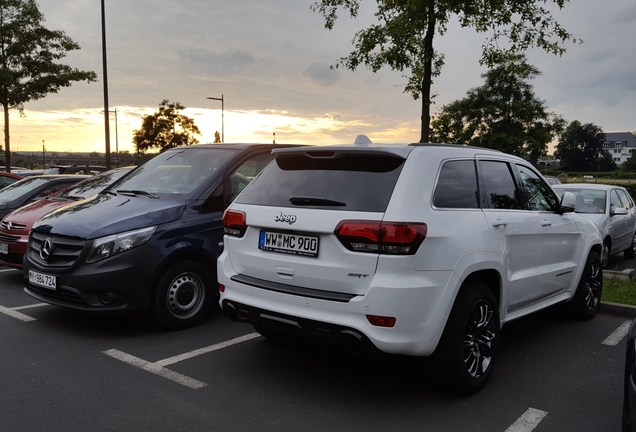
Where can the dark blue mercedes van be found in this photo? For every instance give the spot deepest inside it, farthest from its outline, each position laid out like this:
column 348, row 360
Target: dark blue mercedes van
column 147, row 243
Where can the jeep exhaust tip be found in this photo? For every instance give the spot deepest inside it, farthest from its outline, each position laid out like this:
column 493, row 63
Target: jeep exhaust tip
column 351, row 342
column 230, row 312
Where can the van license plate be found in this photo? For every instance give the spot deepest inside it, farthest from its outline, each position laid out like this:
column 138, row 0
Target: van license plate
column 41, row 279
column 293, row 244
column 4, row 248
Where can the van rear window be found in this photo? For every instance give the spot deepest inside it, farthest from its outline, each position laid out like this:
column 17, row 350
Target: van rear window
column 326, row 180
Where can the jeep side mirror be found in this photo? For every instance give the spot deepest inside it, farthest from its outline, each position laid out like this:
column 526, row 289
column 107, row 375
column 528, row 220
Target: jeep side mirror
column 568, row 202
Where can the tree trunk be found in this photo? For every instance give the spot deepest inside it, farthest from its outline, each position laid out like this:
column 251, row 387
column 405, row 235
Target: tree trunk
column 7, row 149
column 428, row 74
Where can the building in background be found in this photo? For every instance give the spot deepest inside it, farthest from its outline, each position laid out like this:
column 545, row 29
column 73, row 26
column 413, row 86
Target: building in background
column 620, row 145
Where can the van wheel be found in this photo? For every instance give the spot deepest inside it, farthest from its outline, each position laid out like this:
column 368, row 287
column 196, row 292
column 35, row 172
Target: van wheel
column 587, row 299
column 182, row 296
column 468, row 346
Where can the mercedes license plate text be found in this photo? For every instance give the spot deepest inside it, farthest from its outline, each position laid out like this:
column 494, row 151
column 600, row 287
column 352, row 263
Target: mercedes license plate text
column 43, row 280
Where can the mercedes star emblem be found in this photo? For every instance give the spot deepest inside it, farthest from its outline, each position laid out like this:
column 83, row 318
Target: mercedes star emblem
column 45, row 252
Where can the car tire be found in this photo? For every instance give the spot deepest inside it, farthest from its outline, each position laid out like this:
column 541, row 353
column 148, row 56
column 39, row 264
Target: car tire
column 631, row 252
column 182, row 295
column 605, row 254
column 587, row 298
column 466, row 352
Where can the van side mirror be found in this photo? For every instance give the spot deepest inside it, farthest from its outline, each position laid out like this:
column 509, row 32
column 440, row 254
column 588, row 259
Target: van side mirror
column 568, row 202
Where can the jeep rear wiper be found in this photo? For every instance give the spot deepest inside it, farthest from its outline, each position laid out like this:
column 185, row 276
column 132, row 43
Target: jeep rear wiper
column 137, row 192
column 301, row 201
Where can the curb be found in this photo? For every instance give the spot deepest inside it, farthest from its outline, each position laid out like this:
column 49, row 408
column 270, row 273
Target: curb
column 626, row 274
column 626, row 311
column 617, row 308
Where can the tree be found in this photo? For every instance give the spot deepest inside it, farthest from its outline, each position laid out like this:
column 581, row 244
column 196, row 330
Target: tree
column 606, row 162
column 580, row 147
column 630, row 164
column 403, row 39
column 217, row 137
column 503, row 114
column 28, row 55
column 166, row 128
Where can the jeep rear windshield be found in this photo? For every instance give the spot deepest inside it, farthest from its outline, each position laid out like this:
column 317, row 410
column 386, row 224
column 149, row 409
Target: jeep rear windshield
column 326, row 180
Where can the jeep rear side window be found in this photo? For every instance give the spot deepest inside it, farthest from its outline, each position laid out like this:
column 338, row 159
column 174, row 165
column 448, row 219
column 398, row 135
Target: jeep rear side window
column 457, row 185
column 347, row 181
column 500, row 191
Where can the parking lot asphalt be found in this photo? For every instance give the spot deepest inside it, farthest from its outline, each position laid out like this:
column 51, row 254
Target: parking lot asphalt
column 68, row 371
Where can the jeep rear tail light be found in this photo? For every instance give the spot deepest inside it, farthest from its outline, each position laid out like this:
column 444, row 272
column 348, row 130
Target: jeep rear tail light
column 394, row 238
column 234, row 223
column 381, row 321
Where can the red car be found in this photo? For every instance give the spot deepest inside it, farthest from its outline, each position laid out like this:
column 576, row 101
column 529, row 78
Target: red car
column 15, row 227
column 7, row 178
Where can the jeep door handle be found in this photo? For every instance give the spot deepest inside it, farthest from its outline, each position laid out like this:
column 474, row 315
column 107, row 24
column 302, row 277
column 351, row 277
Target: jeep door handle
column 499, row 223
column 546, row 223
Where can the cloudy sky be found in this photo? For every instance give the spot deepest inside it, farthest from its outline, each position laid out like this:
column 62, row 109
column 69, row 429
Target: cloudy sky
column 270, row 61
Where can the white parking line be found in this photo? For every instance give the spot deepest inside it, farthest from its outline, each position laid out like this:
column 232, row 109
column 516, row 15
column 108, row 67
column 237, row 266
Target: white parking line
column 8, row 270
column 175, row 359
column 14, row 314
column 618, row 334
column 30, row 306
column 158, row 368
column 528, row 421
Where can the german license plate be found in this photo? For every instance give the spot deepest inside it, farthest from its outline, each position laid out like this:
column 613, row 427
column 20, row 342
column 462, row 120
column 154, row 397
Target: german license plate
column 41, row 279
column 293, row 244
column 4, row 248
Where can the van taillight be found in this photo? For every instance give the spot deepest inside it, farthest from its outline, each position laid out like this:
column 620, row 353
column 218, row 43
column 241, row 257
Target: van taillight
column 234, row 222
column 395, row 238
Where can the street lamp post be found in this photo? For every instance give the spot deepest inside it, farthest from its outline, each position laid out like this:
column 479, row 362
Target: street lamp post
column 116, row 139
column 222, row 117
column 106, row 112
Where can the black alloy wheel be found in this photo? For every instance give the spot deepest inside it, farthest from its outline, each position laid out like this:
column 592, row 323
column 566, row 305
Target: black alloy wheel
column 465, row 356
column 587, row 298
column 478, row 340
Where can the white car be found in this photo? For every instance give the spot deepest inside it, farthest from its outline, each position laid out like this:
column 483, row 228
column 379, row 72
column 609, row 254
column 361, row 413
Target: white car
column 420, row 250
column 613, row 211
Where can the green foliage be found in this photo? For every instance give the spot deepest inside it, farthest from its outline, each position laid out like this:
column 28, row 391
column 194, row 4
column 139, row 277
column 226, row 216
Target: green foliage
column 619, row 291
column 611, row 175
column 630, row 186
column 580, row 147
column 28, row 55
column 165, row 129
column 606, row 162
column 503, row 114
column 403, row 37
column 629, row 165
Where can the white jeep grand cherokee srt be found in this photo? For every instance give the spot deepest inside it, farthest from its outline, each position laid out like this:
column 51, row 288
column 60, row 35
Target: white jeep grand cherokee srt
column 421, row 250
